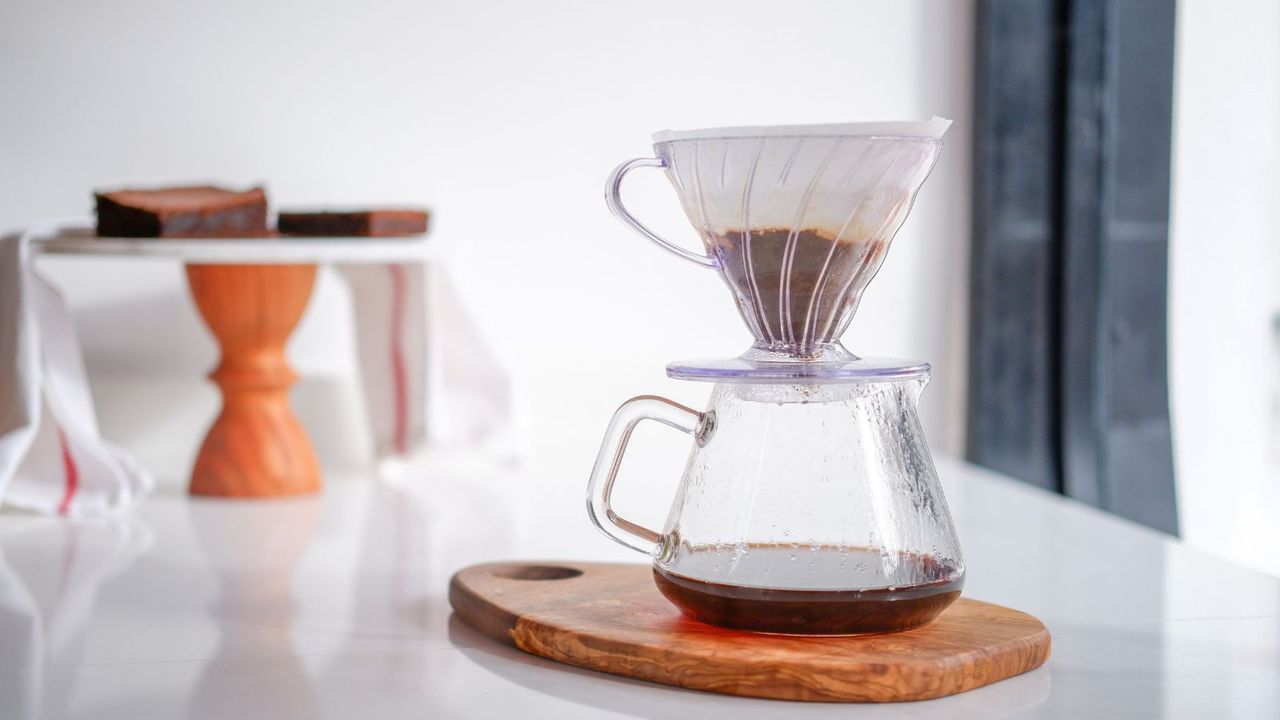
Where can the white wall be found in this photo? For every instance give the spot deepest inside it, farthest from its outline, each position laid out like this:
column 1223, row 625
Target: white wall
column 1225, row 278
column 504, row 118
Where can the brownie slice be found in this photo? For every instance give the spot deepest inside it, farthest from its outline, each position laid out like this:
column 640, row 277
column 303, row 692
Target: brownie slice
column 356, row 223
column 182, row 212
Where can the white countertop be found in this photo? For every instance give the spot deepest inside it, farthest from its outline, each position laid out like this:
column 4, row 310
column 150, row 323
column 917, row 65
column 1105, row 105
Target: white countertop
column 335, row 607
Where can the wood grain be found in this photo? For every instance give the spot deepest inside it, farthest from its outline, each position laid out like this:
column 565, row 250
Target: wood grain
column 611, row 618
column 256, row 447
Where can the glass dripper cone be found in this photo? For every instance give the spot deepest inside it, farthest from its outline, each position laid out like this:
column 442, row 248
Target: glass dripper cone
column 797, row 219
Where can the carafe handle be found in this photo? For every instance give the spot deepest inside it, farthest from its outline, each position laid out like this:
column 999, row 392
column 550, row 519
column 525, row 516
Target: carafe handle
column 613, row 198
column 600, row 489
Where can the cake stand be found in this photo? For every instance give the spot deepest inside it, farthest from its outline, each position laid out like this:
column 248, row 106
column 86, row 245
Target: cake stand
column 251, row 293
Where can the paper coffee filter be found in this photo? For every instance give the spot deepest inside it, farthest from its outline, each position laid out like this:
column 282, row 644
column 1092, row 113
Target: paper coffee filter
column 800, row 177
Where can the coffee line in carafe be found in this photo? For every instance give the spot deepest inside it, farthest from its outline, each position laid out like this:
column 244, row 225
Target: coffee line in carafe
column 808, row 566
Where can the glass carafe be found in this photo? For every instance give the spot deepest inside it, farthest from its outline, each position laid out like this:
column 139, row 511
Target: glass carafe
column 804, row 508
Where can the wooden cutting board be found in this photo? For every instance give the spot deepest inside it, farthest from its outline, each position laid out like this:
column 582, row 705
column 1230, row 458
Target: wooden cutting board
column 611, row 618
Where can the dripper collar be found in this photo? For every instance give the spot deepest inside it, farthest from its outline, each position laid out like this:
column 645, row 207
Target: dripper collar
column 743, row 370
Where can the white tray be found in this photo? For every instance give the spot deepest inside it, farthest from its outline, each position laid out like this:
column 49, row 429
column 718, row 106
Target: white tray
column 80, row 240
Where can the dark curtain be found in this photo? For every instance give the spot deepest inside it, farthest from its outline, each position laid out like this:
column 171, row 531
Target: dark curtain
column 1068, row 384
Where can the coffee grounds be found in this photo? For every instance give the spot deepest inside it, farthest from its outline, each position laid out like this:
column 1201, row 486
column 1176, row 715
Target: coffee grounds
column 795, row 289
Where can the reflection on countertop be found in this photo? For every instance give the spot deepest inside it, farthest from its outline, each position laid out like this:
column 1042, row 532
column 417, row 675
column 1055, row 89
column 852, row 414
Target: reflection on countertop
column 254, row 550
column 51, row 572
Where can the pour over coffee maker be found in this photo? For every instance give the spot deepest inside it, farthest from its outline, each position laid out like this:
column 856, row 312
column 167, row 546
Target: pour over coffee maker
column 809, row 503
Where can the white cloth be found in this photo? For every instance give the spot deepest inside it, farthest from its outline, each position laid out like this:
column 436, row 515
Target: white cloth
column 431, row 379
column 52, row 459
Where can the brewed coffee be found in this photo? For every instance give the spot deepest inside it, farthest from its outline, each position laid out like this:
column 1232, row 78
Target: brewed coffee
column 816, row 590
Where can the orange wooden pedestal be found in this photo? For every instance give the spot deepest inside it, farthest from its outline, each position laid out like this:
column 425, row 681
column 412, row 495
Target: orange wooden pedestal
column 256, row 448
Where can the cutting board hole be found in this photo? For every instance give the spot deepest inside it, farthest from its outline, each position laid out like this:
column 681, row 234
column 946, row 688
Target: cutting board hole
column 537, row 572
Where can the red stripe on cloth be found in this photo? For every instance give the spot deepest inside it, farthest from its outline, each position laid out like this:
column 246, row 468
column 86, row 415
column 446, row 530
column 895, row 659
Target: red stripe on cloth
column 399, row 396
column 70, row 472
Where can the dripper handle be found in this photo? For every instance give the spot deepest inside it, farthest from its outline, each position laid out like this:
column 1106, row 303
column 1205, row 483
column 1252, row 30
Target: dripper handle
column 613, row 198
column 605, row 472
